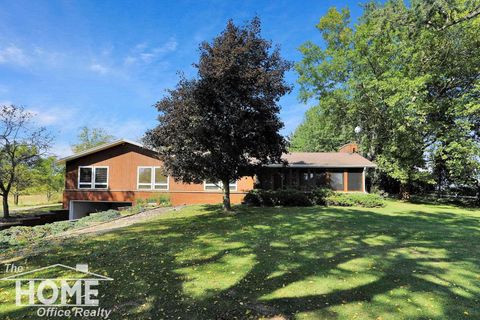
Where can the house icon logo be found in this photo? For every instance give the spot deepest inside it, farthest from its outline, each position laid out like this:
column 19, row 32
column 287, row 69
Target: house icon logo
column 53, row 287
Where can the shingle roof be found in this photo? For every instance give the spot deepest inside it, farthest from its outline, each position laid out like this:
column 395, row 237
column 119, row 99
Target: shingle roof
column 295, row 159
column 326, row 160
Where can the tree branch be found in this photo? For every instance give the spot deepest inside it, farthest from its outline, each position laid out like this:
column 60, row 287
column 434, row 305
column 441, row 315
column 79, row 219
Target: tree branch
column 469, row 16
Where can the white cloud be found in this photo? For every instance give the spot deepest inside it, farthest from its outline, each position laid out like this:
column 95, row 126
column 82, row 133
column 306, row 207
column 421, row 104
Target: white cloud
column 13, row 55
column 31, row 57
column 143, row 54
column 98, row 68
column 47, row 57
column 47, row 119
column 60, row 117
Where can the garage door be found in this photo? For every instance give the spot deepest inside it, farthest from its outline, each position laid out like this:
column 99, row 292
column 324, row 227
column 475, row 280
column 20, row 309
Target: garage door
column 80, row 209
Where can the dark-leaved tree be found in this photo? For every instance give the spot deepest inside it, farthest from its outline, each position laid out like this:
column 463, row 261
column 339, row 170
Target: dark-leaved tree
column 224, row 124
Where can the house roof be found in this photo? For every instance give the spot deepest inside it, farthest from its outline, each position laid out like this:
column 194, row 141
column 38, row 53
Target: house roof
column 99, row 148
column 295, row 159
column 325, row 160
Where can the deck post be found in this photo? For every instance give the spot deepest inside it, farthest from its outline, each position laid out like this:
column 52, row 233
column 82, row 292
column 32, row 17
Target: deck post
column 363, row 180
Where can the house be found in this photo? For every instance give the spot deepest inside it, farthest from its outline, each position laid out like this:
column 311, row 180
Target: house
column 117, row 174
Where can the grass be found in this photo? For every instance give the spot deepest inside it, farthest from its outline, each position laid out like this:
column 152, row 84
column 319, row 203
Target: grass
column 403, row 261
column 32, row 204
column 29, row 200
column 36, row 209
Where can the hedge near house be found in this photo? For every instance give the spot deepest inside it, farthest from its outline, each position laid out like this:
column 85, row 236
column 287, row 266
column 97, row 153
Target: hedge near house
column 321, row 196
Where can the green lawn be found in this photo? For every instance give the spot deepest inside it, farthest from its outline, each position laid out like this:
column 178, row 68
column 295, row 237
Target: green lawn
column 404, row 261
column 32, row 204
column 29, row 200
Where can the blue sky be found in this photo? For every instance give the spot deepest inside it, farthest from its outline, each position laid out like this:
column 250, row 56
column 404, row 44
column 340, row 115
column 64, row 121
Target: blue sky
column 105, row 63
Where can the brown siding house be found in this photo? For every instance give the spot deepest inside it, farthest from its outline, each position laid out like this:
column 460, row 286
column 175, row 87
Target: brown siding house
column 122, row 172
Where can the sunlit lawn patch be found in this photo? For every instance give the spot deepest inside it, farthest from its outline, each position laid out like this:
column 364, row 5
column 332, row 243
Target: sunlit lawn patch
column 404, row 261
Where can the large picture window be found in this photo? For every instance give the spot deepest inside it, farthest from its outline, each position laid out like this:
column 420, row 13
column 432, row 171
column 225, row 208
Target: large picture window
column 93, row 177
column 355, row 181
column 152, row 178
column 336, row 180
column 215, row 186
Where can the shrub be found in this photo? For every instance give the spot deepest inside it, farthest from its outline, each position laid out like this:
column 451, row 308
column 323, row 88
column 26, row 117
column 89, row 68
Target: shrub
column 97, row 217
column 133, row 210
column 255, row 198
column 163, row 200
column 318, row 196
column 294, row 198
column 16, row 236
column 321, row 196
column 288, row 197
column 141, row 202
column 160, row 199
column 355, row 199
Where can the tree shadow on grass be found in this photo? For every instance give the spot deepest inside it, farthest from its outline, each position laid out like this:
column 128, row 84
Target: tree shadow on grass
column 327, row 263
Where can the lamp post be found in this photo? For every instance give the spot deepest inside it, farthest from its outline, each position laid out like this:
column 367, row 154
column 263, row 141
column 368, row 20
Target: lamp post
column 357, row 129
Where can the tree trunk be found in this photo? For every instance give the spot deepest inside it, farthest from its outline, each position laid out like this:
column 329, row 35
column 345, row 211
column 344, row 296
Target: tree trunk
column 15, row 198
column 439, row 185
column 404, row 191
column 478, row 192
column 6, row 210
column 226, row 196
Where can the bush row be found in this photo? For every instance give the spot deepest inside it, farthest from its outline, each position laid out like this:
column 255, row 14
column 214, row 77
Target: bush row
column 16, row 236
column 321, row 196
column 367, row 200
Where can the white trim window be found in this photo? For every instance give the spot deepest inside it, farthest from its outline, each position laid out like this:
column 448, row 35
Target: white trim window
column 152, row 178
column 216, row 186
column 91, row 177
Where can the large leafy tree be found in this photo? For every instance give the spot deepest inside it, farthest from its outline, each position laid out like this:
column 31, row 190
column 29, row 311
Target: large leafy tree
column 224, row 124
column 408, row 74
column 90, row 138
column 318, row 133
column 23, row 180
column 21, row 146
column 49, row 176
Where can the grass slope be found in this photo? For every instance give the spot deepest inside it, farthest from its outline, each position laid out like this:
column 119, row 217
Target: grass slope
column 404, row 261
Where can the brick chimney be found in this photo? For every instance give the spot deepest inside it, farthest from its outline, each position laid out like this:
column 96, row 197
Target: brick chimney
column 351, row 147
